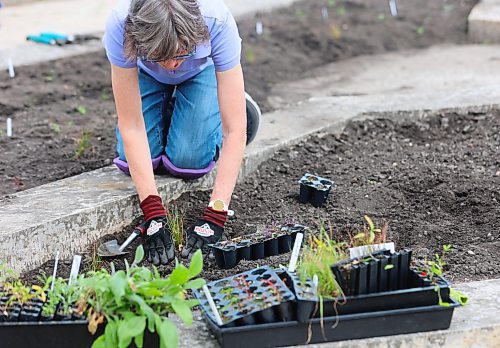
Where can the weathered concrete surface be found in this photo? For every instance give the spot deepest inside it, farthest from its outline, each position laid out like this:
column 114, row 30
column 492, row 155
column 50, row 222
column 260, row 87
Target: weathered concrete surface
column 74, row 17
column 441, row 75
column 484, row 22
column 476, row 325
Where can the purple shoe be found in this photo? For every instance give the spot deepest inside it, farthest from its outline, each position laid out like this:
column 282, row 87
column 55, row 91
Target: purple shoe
column 188, row 174
column 123, row 166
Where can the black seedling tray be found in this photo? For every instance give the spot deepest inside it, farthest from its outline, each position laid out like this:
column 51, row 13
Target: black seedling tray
column 314, row 189
column 255, row 246
column 338, row 328
column 57, row 334
column 378, row 272
column 253, row 297
column 417, row 292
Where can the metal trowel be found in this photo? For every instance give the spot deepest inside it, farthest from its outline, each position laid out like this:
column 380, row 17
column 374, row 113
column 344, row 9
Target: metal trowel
column 113, row 249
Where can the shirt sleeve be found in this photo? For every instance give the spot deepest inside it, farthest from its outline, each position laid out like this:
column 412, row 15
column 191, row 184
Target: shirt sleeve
column 113, row 42
column 226, row 45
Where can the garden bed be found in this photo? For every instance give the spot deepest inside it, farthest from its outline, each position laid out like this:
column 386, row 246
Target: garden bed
column 64, row 116
column 434, row 180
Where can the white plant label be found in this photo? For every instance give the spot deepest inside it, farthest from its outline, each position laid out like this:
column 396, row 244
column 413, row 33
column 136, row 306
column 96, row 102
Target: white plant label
column 259, row 28
column 295, row 253
column 211, row 302
column 10, row 66
column 75, row 268
column 315, row 283
column 324, row 13
column 393, row 7
column 9, row 127
column 54, row 273
column 369, row 249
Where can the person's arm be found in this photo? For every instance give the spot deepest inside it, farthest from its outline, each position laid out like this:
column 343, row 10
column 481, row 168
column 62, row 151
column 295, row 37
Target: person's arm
column 231, row 95
column 132, row 129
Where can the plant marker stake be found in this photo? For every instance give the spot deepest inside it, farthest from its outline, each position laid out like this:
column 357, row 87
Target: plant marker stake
column 54, row 272
column 393, row 7
column 259, row 28
column 211, row 302
column 75, row 268
column 324, row 13
column 295, row 252
column 315, row 283
column 9, row 126
column 12, row 73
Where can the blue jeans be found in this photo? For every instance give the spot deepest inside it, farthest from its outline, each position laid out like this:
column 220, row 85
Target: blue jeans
column 181, row 121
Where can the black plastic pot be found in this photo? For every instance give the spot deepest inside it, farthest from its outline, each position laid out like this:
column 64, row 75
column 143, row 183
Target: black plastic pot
column 360, row 275
column 413, row 295
column 229, row 253
column 57, row 334
column 337, row 328
column 253, row 297
column 314, row 189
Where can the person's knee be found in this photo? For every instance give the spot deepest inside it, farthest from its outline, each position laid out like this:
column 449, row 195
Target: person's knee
column 186, row 156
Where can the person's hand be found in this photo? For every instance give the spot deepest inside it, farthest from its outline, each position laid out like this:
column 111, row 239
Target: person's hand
column 156, row 236
column 205, row 231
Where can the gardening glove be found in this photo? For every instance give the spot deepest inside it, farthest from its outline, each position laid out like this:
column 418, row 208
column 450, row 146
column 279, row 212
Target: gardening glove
column 205, row 231
column 156, row 237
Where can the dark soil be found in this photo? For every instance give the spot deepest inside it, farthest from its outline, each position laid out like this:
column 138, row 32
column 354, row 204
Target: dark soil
column 434, row 180
column 43, row 99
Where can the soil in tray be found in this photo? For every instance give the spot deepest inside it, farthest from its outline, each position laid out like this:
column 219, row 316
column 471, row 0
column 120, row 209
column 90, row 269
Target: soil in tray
column 435, row 181
column 54, row 103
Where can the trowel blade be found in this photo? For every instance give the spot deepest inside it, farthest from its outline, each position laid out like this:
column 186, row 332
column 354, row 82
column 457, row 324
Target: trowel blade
column 110, row 249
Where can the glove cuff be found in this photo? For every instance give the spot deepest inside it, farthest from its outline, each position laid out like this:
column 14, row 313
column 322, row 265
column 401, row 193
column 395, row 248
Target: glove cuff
column 152, row 207
column 215, row 216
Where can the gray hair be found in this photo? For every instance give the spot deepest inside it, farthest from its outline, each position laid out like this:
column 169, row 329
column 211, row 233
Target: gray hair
column 160, row 29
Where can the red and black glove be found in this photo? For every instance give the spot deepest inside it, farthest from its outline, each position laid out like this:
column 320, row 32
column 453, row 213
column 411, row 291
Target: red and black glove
column 205, row 231
column 156, row 237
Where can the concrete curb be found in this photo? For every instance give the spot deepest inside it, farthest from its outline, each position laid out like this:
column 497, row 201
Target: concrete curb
column 484, row 22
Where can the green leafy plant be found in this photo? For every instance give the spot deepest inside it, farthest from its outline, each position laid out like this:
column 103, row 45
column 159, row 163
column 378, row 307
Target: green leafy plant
column 104, row 96
column 137, row 298
column 82, row 144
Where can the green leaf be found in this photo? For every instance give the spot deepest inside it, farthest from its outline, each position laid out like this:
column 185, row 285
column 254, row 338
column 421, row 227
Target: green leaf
column 169, row 337
column 130, row 328
column 139, row 340
column 194, row 284
column 139, row 255
column 459, row 296
column 180, row 275
column 118, row 284
column 100, row 342
column 110, row 334
column 370, row 222
column 183, row 311
column 196, row 265
column 388, row 267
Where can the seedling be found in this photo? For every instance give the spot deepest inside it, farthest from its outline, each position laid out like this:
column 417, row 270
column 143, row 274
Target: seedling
column 433, row 270
column 56, row 128
column 341, row 11
column 82, row 144
column 104, row 96
column 250, row 55
column 82, row 110
column 319, row 253
column 176, row 226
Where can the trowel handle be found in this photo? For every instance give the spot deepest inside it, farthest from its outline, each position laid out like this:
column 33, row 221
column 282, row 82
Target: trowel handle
column 130, row 239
